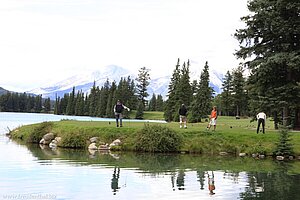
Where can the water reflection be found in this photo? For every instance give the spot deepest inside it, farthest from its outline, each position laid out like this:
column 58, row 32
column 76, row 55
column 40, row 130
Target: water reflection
column 150, row 176
column 211, row 183
column 115, row 180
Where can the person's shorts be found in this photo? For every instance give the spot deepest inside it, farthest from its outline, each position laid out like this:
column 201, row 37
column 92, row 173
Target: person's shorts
column 182, row 118
column 213, row 122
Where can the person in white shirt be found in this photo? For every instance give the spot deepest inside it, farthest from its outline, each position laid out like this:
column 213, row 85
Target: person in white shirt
column 261, row 117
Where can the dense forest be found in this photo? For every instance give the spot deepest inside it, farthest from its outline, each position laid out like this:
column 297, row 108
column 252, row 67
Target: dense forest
column 22, row 102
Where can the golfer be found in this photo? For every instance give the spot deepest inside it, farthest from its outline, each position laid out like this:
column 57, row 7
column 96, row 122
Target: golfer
column 261, row 118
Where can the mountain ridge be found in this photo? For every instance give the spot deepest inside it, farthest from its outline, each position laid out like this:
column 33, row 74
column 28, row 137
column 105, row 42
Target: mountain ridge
column 85, row 81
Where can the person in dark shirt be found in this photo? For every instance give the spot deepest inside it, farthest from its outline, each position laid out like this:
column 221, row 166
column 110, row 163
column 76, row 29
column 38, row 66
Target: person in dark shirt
column 118, row 109
column 182, row 116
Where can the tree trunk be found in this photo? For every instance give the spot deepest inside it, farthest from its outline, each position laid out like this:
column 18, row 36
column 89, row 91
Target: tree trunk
column 275, row 120
column 286, row 116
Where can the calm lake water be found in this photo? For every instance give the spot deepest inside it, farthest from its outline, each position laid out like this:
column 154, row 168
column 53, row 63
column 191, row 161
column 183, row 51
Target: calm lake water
column 32, row 172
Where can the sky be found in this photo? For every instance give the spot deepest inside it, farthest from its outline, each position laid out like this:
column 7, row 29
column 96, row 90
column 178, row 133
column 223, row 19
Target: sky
column 46, row 41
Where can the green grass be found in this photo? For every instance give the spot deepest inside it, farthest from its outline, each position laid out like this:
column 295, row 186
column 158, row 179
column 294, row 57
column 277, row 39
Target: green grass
column 231, row 135
column 153, row 115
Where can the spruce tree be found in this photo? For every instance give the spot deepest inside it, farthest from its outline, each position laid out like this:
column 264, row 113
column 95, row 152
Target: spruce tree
column 226, row 95
column 270, row 43
column 142, row 84
column 152, row 103
column 172, row 101
column 238, row 90
column 71, row 103
column 142, row 94
column 201, row 105
column 159, row 103
column 93, row 100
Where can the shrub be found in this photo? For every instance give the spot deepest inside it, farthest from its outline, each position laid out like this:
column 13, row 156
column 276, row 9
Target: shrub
column 284, row 146
column 156, row 138
column 74, row 140
column 39, row 131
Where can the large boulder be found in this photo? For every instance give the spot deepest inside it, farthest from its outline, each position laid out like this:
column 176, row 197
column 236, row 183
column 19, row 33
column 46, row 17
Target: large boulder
column 47, row 138
column 92, row 146
column 116, row 142
column 94, row 139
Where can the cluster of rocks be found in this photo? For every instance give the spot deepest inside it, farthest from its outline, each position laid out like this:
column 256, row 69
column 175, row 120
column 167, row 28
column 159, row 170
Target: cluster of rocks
column 101, row 145
column 51, row 140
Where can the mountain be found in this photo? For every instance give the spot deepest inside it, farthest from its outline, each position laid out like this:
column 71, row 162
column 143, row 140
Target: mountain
column 86, row 80
column 3, row 91
column 83, row 81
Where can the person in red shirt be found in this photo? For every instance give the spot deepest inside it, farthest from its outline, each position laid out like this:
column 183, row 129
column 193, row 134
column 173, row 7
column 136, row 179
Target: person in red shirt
column 211, row 183
column 213, row 118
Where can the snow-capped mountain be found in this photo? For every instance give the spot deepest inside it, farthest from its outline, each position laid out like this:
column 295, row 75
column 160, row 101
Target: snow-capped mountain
column 86, row 80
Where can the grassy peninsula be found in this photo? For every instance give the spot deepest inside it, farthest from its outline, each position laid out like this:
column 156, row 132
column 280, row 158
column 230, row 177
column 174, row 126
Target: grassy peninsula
column 232, row 135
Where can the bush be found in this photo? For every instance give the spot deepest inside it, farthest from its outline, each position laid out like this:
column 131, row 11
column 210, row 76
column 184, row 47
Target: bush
column 156, row 138
column 74, row 140
column 39, row 131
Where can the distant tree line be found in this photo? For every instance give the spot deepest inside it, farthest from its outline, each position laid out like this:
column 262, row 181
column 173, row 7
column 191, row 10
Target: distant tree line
column 22, row 102
column 99, row 102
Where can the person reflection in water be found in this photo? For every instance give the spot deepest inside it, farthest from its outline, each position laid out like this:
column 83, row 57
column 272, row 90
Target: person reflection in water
column 115, row 180
column 211, row 183
column 180, row 180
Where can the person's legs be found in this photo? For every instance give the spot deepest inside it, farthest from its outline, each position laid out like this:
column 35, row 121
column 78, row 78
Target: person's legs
column 117, row 119
column 259, row 122
column 180, row 121
column 120, row 117
column 214, row 123
column 263, row 125
column 184, row 121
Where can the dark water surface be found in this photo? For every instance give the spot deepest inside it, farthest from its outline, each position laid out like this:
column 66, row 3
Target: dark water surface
column 34, row 172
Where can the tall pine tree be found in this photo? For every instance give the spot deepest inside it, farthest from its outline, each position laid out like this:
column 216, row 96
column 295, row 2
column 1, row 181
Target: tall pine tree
column 270, row 42
column 201, row 105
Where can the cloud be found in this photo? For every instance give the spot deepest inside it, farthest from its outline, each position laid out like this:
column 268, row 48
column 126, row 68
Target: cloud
column 44, row 41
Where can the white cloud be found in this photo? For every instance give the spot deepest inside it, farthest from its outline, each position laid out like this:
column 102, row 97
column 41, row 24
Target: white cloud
column 43, row 41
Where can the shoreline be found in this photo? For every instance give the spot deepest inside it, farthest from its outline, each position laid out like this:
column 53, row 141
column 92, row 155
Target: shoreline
column 232, row 137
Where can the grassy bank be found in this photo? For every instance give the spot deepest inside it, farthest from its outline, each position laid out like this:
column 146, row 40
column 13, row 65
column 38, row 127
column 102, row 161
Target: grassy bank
column 232, row 136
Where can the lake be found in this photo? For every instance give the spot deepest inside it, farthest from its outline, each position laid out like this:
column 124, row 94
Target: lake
column 34, row 172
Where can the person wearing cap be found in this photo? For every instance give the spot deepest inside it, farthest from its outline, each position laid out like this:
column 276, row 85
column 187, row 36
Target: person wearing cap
column 182, row 116
column 118, row 109
column 261, row 117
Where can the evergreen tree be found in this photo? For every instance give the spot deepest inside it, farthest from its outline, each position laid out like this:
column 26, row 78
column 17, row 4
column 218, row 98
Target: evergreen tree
column 142, row 84
column 226, row 95
column 71, row 103
column 142, row 94
column 159, row 103
column 201, row 105
column 93, row 100
column 270, row 41
column 152, row 103
column 57, row 106
column 140, row 110
column 172, row 101
column 185, row 91
column 111, row 101
column 47, row 105
column 104, row 98
column 38, row 104
column 238, row 91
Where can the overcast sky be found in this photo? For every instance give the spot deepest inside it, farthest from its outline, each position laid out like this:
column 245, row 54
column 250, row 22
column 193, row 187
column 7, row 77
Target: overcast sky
column 44, row 41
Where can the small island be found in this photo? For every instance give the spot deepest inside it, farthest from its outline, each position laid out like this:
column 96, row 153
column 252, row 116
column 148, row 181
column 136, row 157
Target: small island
column 233, row 136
